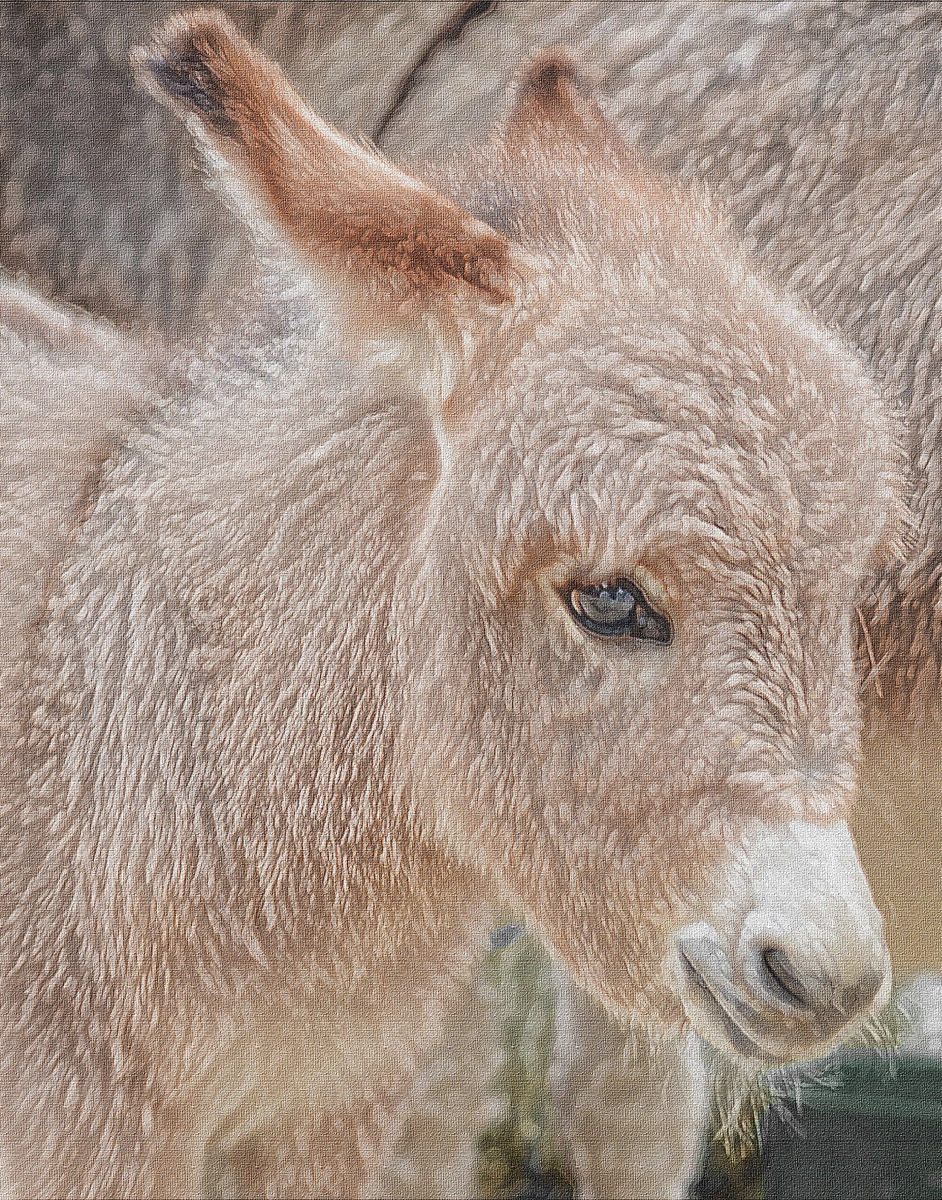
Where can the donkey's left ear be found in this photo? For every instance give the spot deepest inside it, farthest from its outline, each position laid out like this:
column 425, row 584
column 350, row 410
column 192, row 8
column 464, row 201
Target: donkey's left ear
column 339, row 203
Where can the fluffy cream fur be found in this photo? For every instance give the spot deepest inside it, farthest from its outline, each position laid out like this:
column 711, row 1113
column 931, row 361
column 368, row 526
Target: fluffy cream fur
column 297, row 702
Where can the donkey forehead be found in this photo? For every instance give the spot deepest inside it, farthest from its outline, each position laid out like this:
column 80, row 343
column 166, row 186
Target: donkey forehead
column 696, row 343
column 620, row 449
column 676, row 489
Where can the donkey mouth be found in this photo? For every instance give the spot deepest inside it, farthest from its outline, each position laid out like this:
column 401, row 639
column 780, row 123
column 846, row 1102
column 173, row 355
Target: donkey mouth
column 763, row 1004
column 711, row 1005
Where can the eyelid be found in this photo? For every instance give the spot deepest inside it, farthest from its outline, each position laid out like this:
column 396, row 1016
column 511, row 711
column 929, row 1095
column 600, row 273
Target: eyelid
column 654, row 591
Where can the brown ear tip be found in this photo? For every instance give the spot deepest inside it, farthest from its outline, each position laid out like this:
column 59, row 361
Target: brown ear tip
column 181, row 66
column 201, row 31
column 550, row 76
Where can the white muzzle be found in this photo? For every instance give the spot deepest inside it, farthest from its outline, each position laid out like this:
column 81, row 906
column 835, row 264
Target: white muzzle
column 790, row 957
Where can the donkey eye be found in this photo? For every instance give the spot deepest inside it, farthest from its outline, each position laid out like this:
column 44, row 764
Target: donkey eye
column 617, row 610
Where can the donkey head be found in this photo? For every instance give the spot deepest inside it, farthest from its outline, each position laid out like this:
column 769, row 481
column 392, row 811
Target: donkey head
column 623, row 625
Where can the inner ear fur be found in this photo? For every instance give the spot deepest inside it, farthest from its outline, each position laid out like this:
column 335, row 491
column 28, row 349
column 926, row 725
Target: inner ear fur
column 340, row 203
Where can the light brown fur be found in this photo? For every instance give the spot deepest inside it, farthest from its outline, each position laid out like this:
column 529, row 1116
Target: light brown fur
column 295, row 160
column 306, row 704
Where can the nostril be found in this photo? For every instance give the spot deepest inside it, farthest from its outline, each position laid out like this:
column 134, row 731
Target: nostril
column 779, row 977
column 829, row 996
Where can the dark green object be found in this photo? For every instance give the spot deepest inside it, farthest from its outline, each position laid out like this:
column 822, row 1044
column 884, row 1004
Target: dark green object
column 870, row 1128
column 723, row 1178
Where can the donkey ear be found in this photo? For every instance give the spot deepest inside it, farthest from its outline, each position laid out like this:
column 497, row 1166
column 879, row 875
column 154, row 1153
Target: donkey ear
column 341, row 204
column 557, row 112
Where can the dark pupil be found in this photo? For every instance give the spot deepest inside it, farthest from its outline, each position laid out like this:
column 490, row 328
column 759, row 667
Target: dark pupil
column 609, row 605
column 618, row 609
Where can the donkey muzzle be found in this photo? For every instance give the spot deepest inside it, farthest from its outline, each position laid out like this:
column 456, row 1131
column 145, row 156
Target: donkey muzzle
column 790, row 958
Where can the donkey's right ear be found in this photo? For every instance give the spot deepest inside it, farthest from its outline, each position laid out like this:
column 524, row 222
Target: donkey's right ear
column 557, row 115
column 340, row 204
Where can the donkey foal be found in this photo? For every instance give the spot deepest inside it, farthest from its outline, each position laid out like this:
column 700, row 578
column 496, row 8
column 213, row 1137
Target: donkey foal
column 503, row 552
